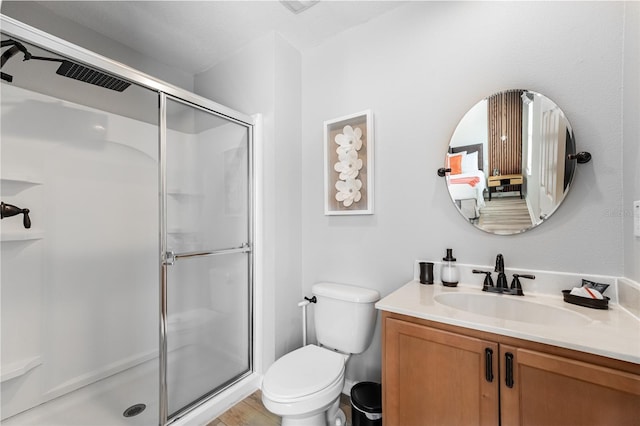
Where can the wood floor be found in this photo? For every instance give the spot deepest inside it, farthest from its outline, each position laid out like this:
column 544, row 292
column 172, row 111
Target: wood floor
column 251, row 412
column 504, row 214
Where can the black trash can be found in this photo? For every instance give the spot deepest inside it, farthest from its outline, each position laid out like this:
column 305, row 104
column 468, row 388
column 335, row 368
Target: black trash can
column 366, row 404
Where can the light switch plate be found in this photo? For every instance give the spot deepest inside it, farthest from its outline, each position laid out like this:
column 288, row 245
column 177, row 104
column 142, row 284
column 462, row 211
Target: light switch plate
column 636, row 218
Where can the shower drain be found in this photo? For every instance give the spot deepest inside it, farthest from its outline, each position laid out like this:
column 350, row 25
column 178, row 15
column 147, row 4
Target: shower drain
column 134, row 410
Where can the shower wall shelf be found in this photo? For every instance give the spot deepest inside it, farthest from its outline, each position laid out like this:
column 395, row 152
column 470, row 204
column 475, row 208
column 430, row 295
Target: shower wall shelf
column 21, row 235
column 19, row 368
column 182, row 231
column 182, row 193
column 21, row 179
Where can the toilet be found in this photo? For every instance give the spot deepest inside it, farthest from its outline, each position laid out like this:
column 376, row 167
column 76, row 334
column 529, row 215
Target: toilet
column 304, row 386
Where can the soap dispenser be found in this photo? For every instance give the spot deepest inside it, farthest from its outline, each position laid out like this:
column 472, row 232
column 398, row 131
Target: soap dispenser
column 449, row 274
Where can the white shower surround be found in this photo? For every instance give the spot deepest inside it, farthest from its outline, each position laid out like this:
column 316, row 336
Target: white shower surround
column 85, row 296
column 96, row 207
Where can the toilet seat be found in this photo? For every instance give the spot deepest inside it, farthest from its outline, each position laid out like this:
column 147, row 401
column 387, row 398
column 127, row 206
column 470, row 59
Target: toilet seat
column 303, row 372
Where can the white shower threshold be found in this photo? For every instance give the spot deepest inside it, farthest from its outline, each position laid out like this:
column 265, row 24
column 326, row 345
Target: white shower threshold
column 103, row 403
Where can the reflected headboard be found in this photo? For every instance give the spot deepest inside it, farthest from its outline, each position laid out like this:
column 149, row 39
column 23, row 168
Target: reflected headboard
column 478, row 147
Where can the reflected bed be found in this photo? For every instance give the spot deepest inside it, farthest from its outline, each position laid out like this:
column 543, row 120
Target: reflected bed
column 469, row 181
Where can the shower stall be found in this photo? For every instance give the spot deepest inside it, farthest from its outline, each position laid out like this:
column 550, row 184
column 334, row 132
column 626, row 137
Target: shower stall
column 128, row 300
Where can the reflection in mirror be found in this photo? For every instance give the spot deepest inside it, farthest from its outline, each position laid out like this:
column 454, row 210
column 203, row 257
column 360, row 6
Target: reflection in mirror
column 508, row 160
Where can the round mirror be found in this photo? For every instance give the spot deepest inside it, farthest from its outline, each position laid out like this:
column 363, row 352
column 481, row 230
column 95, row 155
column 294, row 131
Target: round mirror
column 507, row 165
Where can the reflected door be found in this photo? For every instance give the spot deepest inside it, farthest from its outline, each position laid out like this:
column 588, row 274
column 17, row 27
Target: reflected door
column 207, row 266
column 552, row 148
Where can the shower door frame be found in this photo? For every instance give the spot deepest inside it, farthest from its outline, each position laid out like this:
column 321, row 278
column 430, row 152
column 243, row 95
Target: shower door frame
column 168, row 258
column 15, row 28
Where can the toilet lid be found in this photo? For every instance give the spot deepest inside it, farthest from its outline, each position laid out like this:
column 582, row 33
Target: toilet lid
column 303, row 372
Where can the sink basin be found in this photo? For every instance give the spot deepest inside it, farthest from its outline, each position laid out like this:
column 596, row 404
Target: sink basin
column 511, row 308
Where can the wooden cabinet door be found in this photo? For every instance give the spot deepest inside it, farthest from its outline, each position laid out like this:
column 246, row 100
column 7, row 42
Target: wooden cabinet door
column 434, row 377
column 543, row 389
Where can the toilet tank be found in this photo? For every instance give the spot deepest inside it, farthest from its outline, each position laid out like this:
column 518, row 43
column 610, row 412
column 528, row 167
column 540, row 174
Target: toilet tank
column 344, row 316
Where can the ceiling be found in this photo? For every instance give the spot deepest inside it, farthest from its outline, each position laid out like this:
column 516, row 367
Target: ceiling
column 192, row 36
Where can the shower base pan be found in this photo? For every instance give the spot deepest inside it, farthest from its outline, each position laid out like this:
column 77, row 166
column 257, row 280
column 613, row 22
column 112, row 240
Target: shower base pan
column 118, row 399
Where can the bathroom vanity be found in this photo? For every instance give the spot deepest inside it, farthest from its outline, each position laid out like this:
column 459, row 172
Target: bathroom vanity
column 464, row 357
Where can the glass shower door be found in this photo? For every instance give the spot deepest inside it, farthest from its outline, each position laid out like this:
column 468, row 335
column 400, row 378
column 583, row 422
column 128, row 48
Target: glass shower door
column 207, row 267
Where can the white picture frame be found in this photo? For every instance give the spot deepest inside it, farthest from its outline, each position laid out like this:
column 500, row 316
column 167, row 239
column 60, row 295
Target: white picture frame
column 348, row 164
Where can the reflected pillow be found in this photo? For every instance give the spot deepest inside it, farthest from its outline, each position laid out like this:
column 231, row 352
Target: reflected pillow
column 454, row 162
column 470, row 162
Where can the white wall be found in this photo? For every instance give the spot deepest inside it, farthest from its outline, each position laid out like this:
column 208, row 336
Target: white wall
column 420, row 68
column 631, row 148
column 264, row 77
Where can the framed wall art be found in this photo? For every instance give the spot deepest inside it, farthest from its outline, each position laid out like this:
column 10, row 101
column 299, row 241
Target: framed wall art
column 348, row 164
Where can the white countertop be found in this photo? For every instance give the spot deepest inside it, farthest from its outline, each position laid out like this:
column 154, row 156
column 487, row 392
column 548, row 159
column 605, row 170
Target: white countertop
column 612, row 333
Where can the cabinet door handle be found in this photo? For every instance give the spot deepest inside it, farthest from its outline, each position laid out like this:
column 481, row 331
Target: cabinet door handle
column 488, row 364
column 508, row 380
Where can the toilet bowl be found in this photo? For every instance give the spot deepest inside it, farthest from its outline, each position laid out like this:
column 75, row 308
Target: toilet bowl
column 304, row 386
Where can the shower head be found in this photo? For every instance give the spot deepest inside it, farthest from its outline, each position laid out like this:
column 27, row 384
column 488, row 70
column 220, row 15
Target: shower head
column 66, row 69
column 91, row 76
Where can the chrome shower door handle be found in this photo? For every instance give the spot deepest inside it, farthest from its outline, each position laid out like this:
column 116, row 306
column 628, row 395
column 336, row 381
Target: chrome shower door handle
column 170, row 257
